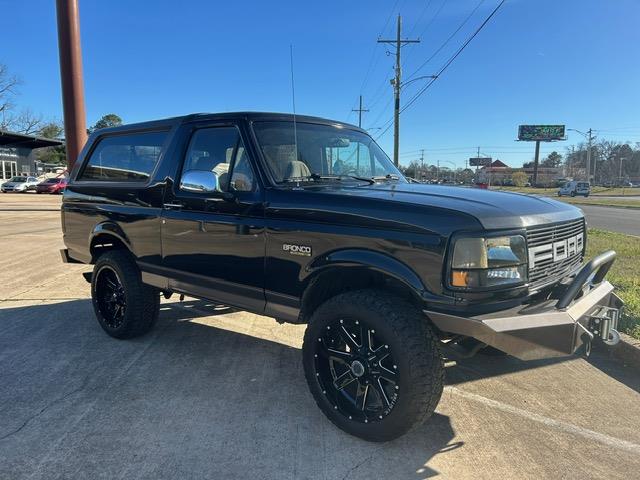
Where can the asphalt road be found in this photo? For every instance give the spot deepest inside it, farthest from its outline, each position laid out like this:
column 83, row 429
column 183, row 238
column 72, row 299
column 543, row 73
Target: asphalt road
column 213, row 393
column 623, row 220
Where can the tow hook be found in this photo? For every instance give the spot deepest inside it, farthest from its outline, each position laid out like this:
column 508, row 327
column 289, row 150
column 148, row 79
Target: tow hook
column 603, row 324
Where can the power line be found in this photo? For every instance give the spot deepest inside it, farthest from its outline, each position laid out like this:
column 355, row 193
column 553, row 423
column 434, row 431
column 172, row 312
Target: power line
column 444, row 44
column 382, row 112
column 455, row 55
column 424, row 10
column 428, row 25
column 373, row 60
column 360, row 111
column 375, row 49
column 399, row 42
column 447, row 64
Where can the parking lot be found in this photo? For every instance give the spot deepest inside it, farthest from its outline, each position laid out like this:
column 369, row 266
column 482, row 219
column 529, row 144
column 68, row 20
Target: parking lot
column 216, row 393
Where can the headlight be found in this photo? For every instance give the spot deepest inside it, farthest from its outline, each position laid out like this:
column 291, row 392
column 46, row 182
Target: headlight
column 484, row 262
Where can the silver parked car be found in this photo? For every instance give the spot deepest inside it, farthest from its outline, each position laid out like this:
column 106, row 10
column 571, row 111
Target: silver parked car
column 20, row 183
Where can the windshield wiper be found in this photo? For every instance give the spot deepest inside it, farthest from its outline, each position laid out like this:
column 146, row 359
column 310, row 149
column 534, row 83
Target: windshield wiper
column 317, row 176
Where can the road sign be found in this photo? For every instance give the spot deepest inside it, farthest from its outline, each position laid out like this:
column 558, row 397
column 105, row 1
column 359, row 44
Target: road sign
column 542, row 133
column 480, row 161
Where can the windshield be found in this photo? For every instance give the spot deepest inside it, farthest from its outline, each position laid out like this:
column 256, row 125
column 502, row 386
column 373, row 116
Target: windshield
column 18, row 179
column 324, row 152
column 54, row 180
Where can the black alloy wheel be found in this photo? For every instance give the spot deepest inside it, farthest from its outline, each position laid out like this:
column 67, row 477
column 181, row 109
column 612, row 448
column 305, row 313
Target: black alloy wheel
column 356, row 370
column 124, row 306
column 372, row 363
column 111, row 298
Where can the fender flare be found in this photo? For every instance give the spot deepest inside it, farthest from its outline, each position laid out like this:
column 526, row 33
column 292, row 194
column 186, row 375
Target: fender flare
column 367, row 259
column 109, row 228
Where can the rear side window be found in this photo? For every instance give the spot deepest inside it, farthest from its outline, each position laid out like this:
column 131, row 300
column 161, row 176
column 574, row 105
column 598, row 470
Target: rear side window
column 124, row 158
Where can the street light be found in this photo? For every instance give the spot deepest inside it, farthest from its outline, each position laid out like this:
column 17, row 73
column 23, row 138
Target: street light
column 589, row 138
column 454, row 168
column 408, row 82
column 620, row 174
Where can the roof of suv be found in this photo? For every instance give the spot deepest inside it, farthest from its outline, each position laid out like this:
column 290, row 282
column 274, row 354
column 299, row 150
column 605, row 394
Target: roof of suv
column 250, row 116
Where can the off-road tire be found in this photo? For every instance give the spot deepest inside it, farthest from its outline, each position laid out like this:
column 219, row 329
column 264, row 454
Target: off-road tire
column 415, row 350
column 142, row 301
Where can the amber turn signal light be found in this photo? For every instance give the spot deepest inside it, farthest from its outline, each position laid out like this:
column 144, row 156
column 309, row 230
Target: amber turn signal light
column 459, row 278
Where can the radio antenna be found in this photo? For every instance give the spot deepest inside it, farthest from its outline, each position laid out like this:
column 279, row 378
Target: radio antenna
column 293, row 98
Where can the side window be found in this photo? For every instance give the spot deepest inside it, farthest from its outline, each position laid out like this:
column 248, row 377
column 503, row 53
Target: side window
column 220, row 150
column 124, row 158
column 242, row 178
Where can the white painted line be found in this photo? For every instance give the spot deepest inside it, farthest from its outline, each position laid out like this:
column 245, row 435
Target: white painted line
column 550, row 422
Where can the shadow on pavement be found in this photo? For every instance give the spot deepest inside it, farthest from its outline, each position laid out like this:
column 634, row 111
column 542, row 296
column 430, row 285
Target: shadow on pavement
column 187, row 400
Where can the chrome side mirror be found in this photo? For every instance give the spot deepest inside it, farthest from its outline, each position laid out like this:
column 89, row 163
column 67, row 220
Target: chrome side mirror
column 200, row 181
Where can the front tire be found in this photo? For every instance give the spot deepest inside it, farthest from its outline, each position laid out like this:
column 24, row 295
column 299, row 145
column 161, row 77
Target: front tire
column 372, row 364
column 124, row 306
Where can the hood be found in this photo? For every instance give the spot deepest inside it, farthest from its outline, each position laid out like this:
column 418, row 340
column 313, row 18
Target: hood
column 13, row 184
column 493, row 209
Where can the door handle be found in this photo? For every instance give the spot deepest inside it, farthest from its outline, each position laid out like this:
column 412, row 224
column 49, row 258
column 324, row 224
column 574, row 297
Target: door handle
column 170, row 206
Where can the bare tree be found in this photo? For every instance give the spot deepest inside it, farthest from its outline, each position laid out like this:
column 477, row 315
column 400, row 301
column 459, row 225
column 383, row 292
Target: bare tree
column 24, row 121
column 8, row 86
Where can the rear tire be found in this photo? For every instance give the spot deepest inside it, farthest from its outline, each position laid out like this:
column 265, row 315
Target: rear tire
column 373, row 364
column 124, row 306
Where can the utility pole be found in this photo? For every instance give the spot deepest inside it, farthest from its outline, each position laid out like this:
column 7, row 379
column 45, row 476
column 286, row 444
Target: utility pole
column 589, row 141
column 360, row 110
column 75, row 127
column 397, row 82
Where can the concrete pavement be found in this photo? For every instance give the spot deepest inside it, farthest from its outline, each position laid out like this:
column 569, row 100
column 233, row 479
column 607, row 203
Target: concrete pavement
column 213, row 393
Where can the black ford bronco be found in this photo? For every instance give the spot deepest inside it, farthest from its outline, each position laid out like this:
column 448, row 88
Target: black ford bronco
column 306, row 220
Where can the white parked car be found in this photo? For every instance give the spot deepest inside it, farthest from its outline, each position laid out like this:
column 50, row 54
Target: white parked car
column 20, row 183
column 574, row 188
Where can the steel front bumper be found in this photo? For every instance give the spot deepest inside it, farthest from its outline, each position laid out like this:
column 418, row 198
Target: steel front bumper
column 550, row 328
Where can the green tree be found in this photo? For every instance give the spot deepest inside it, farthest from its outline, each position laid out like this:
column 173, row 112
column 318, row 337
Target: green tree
column 553, row 160
column 55, row 155
column 519, row 178
column 51, row 130
column 108, row 120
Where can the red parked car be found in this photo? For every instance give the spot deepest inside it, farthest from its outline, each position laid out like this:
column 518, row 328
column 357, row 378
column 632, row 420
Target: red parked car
column 52, row 185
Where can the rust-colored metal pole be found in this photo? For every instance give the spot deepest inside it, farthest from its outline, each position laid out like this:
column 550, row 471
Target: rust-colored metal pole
column 75, row 127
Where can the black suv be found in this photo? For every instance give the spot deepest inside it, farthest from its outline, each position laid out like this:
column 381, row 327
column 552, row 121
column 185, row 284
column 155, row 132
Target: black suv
column 306, row 220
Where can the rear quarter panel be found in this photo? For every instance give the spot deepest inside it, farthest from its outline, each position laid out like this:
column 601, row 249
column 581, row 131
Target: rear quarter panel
column 130, row 213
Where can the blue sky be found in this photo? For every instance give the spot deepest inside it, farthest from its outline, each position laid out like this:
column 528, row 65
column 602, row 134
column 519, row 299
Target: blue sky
column 544, row 61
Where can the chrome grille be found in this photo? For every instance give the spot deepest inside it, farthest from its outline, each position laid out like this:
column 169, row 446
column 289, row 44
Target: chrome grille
column 548, row 270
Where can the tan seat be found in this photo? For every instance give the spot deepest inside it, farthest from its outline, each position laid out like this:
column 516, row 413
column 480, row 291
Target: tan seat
column 297, row 169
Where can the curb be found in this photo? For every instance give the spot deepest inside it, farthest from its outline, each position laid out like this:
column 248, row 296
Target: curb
column 628, row 350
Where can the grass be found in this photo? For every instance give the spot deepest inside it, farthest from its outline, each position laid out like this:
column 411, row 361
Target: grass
column 624, row 275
